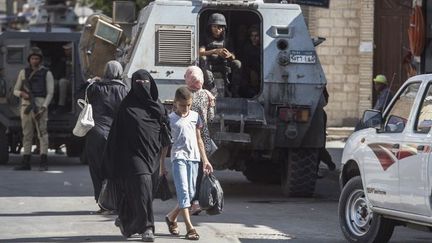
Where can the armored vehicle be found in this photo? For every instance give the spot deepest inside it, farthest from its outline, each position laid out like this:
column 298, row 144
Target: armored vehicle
column 273, row 134
column 53, row 30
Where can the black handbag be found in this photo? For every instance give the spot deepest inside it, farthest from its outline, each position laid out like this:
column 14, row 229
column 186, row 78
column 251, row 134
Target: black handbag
column 162, row 190
column 108, row 196
column 211, row 196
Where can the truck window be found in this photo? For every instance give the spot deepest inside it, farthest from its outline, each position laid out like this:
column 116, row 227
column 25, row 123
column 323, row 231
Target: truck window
column 15, row 55
column 424, row 116
column 400, row 111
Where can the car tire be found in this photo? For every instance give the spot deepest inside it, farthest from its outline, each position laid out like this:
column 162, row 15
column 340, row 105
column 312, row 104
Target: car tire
column 357, row 222
column 299, row 172
column 4, row 146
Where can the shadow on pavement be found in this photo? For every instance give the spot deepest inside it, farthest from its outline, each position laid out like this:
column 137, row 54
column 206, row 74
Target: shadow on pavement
column 46, row 213
column 84, row 238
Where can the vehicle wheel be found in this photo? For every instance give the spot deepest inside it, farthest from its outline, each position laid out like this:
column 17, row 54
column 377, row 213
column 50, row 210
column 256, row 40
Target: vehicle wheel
column 262, row 172
column 299, row 172
column 357, row 221
column 74, row 148
column 4, row 146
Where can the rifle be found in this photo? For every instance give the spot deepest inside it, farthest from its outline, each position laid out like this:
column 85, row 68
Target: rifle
column 26, row 88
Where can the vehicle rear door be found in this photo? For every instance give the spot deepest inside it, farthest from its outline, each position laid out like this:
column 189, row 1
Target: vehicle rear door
column 414, row 158
column 381, row 166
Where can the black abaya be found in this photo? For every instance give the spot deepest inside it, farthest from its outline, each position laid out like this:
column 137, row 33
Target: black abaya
column 105, row 97
column 133, row 150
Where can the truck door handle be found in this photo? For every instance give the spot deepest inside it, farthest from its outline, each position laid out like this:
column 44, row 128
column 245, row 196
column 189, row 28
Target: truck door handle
column 395, row 146
column 420, row 148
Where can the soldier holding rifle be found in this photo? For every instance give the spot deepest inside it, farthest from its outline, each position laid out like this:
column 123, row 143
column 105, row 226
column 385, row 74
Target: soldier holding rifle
column 35, row 87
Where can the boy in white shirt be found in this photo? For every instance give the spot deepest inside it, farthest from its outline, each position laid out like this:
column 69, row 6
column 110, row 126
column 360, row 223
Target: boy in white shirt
column 187, row 151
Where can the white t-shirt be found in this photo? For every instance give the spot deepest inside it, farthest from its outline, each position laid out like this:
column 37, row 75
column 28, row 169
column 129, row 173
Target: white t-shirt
column 183, row 132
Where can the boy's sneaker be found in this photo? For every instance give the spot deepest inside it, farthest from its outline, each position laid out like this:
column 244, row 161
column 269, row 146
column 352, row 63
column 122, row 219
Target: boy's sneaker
column 148, row 235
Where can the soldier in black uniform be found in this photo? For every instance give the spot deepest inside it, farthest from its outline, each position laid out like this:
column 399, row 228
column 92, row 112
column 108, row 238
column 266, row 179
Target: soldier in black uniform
column 216, row 55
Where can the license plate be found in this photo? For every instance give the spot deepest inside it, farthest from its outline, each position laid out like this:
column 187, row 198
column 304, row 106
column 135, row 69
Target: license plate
column 304, row 57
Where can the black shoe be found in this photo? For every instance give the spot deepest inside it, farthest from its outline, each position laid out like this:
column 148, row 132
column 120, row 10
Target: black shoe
column 43, row 166
column 23, row 167
column 148, row 235
column 25, row 163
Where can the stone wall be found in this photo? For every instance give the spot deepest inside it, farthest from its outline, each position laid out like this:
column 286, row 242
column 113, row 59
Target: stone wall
column 346, row 25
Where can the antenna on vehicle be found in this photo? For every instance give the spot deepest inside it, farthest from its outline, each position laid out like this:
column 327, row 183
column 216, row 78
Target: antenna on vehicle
column 388, row 93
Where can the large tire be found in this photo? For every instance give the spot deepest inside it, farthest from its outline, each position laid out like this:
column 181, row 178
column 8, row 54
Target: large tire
column 4, row 146
column 262, row 172
column 299, row 172
column 358, row 223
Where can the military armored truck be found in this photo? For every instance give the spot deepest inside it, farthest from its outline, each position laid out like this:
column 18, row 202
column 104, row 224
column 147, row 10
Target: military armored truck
column 53, row 30
column 273, row 135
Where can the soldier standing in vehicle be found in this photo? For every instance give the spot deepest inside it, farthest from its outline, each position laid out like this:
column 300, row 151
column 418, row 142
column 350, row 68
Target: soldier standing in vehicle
column 35, row 87
column 384, row 93
column 216, row 55
column 251, row 52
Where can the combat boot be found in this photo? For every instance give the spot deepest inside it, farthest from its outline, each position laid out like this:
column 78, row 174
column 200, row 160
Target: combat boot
column 43, row 166
column 25, row 163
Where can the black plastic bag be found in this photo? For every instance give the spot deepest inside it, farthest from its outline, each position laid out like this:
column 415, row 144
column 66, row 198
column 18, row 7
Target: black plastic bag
column 211, row 195
column 161, row 189
column 108, row 196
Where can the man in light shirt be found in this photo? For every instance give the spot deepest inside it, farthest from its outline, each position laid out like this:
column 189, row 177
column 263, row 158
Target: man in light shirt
column 35, row 87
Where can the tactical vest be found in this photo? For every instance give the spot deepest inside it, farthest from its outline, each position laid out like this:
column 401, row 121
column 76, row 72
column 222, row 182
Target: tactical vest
column 215, row 44
column 37, row 83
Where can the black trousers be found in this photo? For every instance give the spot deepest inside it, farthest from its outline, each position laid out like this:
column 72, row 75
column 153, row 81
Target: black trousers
column 135, row 209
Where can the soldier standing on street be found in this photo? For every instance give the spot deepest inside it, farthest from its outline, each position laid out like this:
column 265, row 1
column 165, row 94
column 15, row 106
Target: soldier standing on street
column 35, row 87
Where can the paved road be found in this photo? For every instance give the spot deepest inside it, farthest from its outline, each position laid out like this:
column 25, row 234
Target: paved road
column 56, row 206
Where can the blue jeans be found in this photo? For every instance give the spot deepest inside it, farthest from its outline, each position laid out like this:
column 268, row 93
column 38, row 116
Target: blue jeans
column 185, row 173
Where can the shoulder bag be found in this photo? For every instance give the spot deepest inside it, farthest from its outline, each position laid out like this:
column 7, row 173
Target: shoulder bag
column 85, row 120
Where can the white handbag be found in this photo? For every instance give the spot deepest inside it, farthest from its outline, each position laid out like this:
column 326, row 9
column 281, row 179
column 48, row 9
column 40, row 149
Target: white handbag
column 85, row 120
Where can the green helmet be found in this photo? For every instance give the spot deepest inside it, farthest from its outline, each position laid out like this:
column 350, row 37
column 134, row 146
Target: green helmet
column 216, row 19
column 380, row 79
column 35, row 51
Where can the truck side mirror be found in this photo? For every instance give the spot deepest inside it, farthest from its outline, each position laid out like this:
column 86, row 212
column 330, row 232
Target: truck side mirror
column 372, row 118
column 317, row 40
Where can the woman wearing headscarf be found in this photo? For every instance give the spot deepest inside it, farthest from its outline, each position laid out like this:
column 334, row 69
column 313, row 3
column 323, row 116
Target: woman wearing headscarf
column 203, row 102
column 105, row 96
column 132, row 155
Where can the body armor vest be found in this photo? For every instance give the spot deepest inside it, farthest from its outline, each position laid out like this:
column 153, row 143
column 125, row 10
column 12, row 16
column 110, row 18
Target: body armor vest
column 37, row 83
column 215, row 44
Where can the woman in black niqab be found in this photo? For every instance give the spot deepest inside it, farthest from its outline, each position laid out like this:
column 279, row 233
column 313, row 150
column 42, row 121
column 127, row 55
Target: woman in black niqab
column 132, row 154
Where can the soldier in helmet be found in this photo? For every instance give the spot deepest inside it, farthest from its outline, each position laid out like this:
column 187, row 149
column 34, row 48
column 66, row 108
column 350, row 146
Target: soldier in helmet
column 35, row 87
column 384, row 93
column 216, row 55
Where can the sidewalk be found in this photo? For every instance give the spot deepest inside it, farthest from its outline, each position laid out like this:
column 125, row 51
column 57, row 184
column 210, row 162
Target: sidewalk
column 339, row 133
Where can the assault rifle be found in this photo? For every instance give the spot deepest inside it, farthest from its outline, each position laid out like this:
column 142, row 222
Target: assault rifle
column 26, row 88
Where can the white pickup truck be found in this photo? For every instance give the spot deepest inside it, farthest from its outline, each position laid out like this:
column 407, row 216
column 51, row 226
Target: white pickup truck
column 386, row 174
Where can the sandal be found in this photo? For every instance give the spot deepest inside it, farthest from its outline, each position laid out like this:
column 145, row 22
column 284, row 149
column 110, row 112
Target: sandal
column 192, row 235
column 172, row 226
